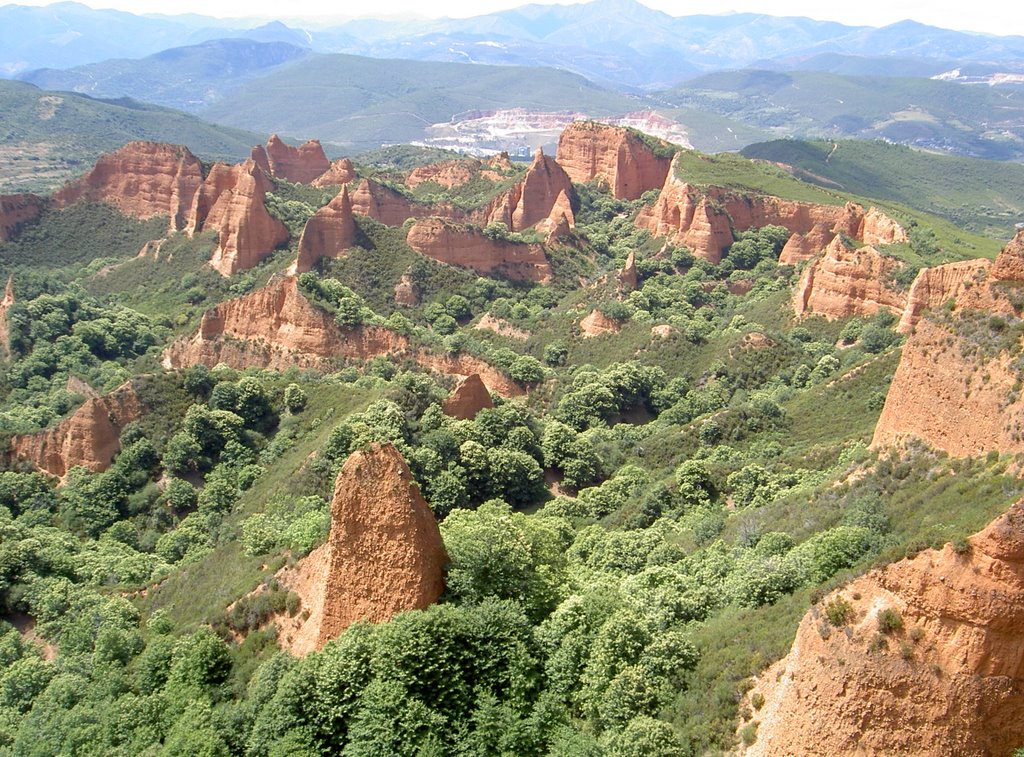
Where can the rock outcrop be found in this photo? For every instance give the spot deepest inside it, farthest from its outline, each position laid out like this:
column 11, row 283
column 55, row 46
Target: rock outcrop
column 142, row 180
column 405, row 291
column 232, row 200
column 277, row 328
column 934, row 286
column 705, row 219
column 844, row 282
column 950, row 681
column 299, row 165
column 327, row 234
column 627, row 276
column 468, row 398
column 384, row 554
column 384, row 205
column 89, row 436
column 500, row 326
column 340, row 172
column 468, row 247
column 5, row 305
column 448, row 174
column 1009, row 265
column 545, row 185
column 597, row 323
column 16, row 211
column 619, row 156
column 956, row 387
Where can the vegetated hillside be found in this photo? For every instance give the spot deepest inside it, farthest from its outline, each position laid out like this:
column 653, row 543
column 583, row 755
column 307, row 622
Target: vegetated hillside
column 47, row 137
column 366, row 102
column 980, row 195
column 670, row 470
column 980, row 122
column 185, row 78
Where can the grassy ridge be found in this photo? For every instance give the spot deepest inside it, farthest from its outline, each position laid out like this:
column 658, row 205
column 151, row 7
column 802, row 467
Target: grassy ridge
column 48, row 137
column 978, row 195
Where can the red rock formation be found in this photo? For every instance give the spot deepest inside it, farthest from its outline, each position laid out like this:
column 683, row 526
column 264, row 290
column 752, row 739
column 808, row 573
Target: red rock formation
column 468, row 398
column 598, row 323
column 5, row 305
column 845, row 282
column 16, row 211
column 384, row 554
column 384, row 204
column 545, row 185
column 589, row 150
column 800, row 247
column 405, row 291
column 958, row 689
column 328, row 233
column 301, row 165
column 560, row 220
column 277, row 328
column 628, row 276
column 934, row 286
column 341, row 172
column 231, row 200
column 1009, row 265
column 448, row 173
column 704, row 219
column 467, row 247
column 142, row 180
column 89, row 437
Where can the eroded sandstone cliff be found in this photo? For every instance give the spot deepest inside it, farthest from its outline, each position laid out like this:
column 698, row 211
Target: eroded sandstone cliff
column 142, row 180
column 16, row 211
column 328, row 233
column 89, row 436
column 302, row 165
column 621, row 157
column 847, row 281
column 468, row 247
column 384, row 554
column 949, row 681
column 468, row 398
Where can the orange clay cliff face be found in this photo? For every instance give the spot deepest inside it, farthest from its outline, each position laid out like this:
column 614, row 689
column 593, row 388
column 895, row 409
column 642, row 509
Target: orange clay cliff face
column 16, row 211
column 705, row 219
column 89, row 437
column 618, row 156
column 467, row 247
column 303, row 164
column 142, row 180
column 844, row 282
column 277, row 327
column 384, row 554
column 955, row 384
column 950, row 681
column 328, row 233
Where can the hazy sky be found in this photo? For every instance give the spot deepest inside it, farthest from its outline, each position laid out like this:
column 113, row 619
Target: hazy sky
column 992, row 16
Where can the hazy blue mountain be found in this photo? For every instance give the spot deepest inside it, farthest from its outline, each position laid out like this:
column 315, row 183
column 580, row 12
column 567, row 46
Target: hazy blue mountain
column 188, row 78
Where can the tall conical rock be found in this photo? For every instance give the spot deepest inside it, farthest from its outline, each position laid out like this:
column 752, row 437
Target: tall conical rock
column 232, row 200
column 328, row 233
column 384, row 554
column 468, row 398
column 5, row 305
column 341, row 172
column 949, row 681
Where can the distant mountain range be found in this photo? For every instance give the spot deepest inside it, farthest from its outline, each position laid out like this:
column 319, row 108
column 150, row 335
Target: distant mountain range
column 616, row 43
